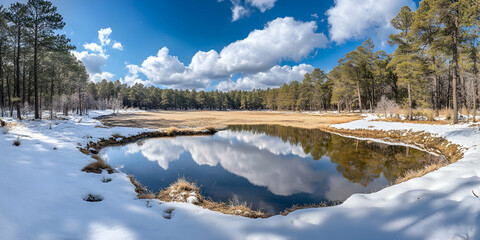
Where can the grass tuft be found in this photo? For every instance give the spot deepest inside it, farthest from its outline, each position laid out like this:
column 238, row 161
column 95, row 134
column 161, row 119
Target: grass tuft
column 98, row 166
column 171, row 131
column 17, row 142
column 410, row 174
column 185, row 191
column 142, row 192
column 93, row 198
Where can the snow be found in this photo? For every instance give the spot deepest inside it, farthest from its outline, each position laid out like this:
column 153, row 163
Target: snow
column 42, row 193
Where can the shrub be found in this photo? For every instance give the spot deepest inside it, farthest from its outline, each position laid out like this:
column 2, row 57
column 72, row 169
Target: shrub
column 386, row 105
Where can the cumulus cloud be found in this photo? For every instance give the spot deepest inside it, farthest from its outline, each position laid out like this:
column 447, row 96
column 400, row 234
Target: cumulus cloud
column 93, row 47
column 283, row 39
column 275, row 77
column 92, row 61
column 241, row 8
column 262, row 5
column 355, row 19
column 238, row 12
column 104, row 36
column 117, row 46
column 98, row 77
column 94, row 56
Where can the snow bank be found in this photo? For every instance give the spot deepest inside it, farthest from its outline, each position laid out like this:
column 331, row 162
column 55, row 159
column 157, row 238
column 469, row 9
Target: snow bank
column 42, row 191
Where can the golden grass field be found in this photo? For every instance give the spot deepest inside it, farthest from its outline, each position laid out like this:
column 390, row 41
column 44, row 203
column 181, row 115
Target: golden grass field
column 219, row 119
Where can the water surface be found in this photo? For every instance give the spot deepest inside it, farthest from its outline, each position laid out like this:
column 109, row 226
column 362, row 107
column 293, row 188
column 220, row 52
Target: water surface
column 269, row 167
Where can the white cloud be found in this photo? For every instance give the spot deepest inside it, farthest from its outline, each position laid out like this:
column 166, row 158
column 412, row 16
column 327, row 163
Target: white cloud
column 241, row 8
column 117, row 46
column 355, row 19
column 281, row 39
column 93, row 47
column 274, row 77
column 238, row 12
column 104, row 36
column 262, row 5
column 98, row 77
column 94, row 58
column 92, row 61
column 314, row 15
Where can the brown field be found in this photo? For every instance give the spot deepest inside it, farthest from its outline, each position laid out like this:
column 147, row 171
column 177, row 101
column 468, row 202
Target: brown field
column 220, row 119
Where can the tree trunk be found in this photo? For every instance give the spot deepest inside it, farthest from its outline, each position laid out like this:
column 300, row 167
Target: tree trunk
column 17, row 77
column 372, row 100
column 29, row 90
column 79, row 101
column 23, row 86
column 435, row 94
column 455, row 70
column 435, row 88
column 2, row 96
column 359, row 97
column 9, row 96
column 51, row 94
column 409, row 102
column 35, row 71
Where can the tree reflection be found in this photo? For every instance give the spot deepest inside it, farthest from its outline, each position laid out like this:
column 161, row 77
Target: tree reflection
column 358, row 161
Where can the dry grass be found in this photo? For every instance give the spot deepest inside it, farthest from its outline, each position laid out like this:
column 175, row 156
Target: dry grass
column 427, row 113
column 420, row 172
column 171, row 131
column 141, row 191
column 401, row 112
column 446, row 112
column 436, row 122
column 221, row 119
column 185, row 191
column 98, row 166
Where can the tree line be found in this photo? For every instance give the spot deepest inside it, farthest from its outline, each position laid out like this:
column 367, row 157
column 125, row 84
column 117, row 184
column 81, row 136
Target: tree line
column 37, row 70
column 313, row 93
column 434, row 65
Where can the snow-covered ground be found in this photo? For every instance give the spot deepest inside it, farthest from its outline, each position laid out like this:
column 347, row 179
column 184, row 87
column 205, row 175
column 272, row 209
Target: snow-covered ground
column 42, row 191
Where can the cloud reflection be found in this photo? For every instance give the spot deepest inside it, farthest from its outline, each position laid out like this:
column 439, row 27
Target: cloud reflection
column 261, row 159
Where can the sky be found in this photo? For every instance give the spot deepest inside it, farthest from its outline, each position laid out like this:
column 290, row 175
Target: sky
column 220, row 44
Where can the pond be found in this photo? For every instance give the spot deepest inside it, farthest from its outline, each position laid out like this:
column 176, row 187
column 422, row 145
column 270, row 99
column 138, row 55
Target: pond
column 269, row 167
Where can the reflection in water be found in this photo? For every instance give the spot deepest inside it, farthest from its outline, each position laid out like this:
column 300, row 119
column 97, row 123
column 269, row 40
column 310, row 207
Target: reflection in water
column 269, row 167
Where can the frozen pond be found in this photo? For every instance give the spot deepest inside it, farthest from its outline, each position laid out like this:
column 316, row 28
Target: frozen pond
column 269, row 167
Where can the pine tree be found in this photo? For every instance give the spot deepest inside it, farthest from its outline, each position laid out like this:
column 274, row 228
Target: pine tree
column 44, row 21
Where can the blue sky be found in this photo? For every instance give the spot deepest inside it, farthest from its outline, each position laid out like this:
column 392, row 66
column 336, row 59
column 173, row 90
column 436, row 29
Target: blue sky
column 211, row 44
